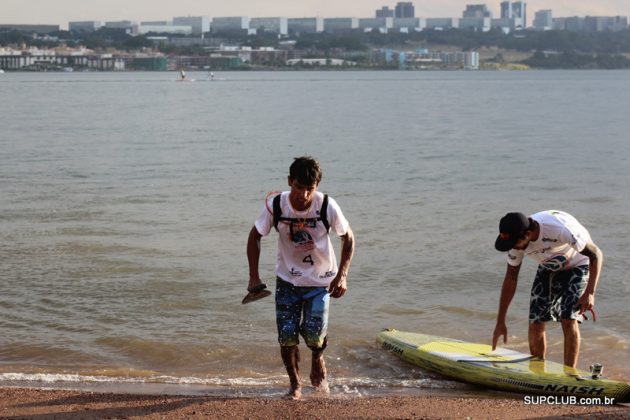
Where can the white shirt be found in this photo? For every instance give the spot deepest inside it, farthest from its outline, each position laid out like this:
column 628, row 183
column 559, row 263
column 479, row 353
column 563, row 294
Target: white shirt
column 307, row 257
column 559, row 242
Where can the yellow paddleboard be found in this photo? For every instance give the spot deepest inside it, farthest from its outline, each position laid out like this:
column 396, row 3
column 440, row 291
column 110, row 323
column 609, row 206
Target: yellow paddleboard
column 502, row 369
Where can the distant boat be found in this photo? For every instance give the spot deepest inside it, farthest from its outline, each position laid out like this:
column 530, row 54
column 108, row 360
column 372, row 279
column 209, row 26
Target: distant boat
column 68, row 69
column 1, row 71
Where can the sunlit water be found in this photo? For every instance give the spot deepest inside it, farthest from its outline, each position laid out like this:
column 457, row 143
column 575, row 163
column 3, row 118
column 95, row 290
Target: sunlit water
column 126, row 199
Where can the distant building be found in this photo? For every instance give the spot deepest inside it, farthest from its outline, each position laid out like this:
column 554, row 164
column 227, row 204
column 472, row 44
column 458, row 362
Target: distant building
column 199, row 24
column 384, row 12
column 51, row 60
column 85, row 26
column 424, row 59
column 156, row 22
column 519, row 9
column 38, row 29
column 407, row 25
column 165, row 29
column 454, row 60
column 337, row 25
column 475, row 23
column 126, row 25
column 515, row 10
column 277, row 25
column 507, row 25
column 477, row 11
column 442, row 23
column 605, row 23
column 236, row 23
column 559, row 24
column 305, row 25
column 543, row 20
column 380, row 24
column 574, row 24
column 404, row 10
column 319, row 62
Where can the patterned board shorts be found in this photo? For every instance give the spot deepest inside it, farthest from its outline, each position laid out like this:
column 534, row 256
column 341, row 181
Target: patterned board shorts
column 301, row 311
column 555, row 293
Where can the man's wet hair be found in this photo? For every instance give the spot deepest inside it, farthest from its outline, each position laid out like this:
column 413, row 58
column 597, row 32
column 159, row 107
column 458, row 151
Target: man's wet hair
column 306, row 171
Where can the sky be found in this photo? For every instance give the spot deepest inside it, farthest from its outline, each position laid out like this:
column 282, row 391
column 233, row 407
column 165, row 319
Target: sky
column 60, row 12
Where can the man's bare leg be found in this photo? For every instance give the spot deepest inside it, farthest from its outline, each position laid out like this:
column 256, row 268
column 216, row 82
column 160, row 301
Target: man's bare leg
column 537, row 340
column 571, row 331
column 318, row 371
column 291, row 359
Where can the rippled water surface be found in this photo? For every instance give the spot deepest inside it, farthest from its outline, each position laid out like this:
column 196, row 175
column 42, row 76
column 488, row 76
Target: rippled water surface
column 126, row 199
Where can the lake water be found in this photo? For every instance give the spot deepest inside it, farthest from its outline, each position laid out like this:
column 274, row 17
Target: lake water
column 126, row 200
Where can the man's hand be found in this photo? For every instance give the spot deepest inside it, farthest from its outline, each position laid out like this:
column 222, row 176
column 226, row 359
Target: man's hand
column 499, row 330
column 338, row 286
column 255, row 284
column 586, row 302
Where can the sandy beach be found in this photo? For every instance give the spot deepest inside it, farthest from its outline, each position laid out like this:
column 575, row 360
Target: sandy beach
column 18, row 403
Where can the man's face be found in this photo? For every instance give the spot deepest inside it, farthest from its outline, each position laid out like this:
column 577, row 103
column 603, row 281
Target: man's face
column 523, row 241
column 301, row 195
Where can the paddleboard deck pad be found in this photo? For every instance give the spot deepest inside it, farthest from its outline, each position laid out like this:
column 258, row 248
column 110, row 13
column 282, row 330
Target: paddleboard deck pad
column 502, row 369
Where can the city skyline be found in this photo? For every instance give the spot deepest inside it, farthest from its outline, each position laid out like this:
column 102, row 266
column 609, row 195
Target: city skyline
column 61, row 12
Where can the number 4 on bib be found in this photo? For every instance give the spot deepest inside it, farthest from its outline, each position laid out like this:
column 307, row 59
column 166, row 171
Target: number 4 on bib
column 308, row 259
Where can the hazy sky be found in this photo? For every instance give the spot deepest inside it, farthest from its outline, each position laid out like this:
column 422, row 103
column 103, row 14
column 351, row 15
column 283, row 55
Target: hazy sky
column 60, row 12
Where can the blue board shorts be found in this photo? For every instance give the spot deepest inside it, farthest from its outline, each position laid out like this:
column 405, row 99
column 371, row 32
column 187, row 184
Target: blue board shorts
column 301, row 311
column 555, row 293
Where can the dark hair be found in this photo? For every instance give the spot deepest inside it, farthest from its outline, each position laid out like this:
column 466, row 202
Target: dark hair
column 305, row 170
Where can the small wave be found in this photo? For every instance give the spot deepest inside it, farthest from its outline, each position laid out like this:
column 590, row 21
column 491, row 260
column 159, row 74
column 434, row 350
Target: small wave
column 49, row 378
column 344, row 384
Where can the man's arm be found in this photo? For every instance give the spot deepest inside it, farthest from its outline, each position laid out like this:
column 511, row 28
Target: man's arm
column 253, row 257
column 507, row 293
column 596, row 260
column 339, row 285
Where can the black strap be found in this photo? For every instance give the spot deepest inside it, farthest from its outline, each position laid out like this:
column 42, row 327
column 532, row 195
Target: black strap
column 277, row 214
column 277, row 211
column 323, row 213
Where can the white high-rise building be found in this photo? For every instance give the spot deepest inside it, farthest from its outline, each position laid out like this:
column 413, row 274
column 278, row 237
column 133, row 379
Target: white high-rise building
column 516, row 10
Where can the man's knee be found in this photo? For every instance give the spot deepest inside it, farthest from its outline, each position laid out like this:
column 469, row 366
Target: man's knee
column 570, row 326
column 536, row 328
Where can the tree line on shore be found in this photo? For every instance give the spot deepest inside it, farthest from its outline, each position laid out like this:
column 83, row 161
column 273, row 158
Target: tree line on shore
column 548, row 49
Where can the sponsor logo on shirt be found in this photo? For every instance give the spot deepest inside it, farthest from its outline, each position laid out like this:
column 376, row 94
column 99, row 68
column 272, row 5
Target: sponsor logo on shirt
column 328, row 274
column 549, row 240
column 295, row 273
column 303, row 241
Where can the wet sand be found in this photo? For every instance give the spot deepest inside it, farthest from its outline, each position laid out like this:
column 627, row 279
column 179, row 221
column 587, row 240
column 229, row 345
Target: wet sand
column 19, row 403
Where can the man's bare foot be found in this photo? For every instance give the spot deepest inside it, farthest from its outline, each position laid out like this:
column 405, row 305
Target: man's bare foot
column 295, row 393
column 318, row 371
column 323, row 387
column 291, row 359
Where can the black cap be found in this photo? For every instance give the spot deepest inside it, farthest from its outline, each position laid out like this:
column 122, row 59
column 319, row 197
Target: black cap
column 511, row 228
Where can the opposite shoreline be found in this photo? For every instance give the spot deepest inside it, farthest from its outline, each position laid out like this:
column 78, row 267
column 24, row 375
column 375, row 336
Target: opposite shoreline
column 36, row 403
